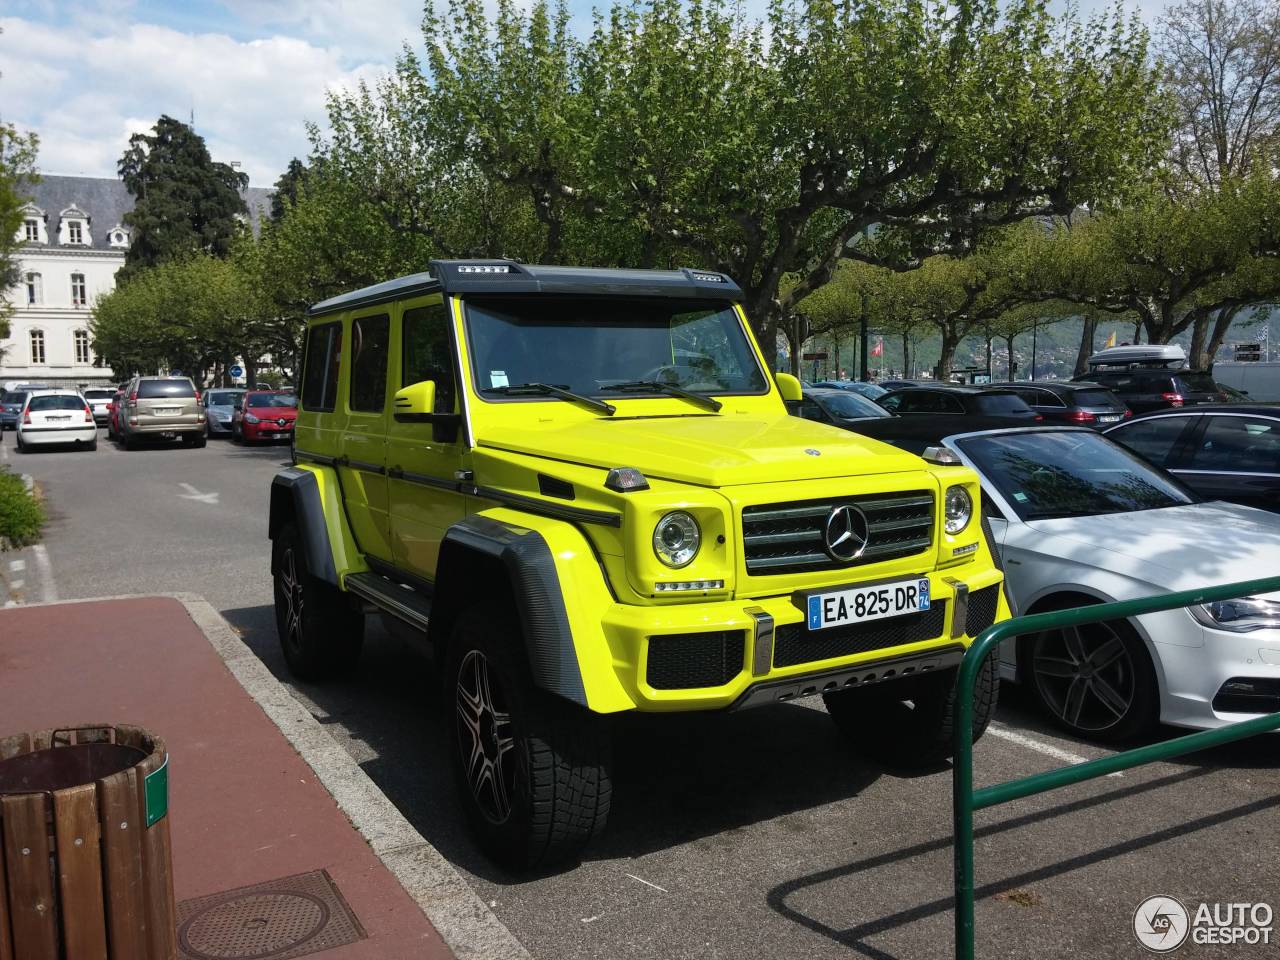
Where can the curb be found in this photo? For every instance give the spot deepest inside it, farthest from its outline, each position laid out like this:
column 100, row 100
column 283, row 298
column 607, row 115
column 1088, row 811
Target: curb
column 465, row 923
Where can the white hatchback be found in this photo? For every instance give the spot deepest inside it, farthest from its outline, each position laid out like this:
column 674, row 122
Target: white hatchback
column 1078, row 519
column 56, row 417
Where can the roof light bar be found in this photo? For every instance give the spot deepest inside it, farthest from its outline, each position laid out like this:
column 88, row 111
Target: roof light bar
column 484, row 268
column 708, row 277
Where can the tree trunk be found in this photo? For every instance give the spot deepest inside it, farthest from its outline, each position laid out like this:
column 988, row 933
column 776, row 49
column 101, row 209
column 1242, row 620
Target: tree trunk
column 950, row 343
column 1012, row 364
column 906, row 355
column 1199, row 334
column 250, row 372
column 1221, row 327
column 1087, row 336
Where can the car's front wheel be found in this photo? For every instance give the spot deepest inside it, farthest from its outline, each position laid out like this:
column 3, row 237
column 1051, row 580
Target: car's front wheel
column 321, row 629
column 1096, row 681
column 908, row 723
column 532, row 770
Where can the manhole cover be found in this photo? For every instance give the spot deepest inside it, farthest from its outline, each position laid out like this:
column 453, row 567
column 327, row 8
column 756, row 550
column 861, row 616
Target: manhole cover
column 292, row 917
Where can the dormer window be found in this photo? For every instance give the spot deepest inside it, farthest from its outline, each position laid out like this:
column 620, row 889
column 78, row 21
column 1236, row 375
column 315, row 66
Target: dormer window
column 74, row 227
column 31, row 230
column 118, row 237
column 33, row 221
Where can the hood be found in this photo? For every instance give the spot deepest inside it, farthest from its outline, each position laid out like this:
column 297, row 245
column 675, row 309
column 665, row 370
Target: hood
column 1177, row 548
column 273, row 413
column 711, row 451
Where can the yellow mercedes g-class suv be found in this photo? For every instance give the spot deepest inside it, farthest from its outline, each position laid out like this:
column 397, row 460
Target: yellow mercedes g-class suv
column 582, row 490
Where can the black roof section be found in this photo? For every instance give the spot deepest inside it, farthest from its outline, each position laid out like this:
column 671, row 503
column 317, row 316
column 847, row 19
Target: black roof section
column 965, row 388
column 1059, row 386
column 1256, row 408
column 506, row 277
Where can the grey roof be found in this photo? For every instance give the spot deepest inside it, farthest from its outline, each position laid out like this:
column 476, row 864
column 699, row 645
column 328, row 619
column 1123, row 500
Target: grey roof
column 508, row 277
column 105, row 200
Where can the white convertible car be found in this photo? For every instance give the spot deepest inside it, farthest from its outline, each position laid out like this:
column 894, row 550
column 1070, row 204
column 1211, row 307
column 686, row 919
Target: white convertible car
column 1079, row 519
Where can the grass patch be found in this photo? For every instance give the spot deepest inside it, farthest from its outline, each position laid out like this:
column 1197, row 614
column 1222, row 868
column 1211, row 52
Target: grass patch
column 21, row 515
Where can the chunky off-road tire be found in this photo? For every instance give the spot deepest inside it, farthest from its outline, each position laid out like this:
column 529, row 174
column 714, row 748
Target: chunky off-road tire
column 321, row 629
column 1096, row 681
column 193, row 439
column 908, row 723
column 532, row 770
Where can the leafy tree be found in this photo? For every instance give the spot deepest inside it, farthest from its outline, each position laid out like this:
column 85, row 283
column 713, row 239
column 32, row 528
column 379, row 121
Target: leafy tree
column 287, row 188
column 185, row 203
column 678, row 133
column 1222, row 60
column 17, row 176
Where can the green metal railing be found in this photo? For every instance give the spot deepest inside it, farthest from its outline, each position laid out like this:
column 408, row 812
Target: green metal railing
column 966, row 800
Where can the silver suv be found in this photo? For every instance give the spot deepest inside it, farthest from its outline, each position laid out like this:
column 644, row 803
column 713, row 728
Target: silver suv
column 162, row 407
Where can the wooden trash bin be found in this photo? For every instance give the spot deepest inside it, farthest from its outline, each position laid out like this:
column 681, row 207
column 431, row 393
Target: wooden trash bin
column 85, row 866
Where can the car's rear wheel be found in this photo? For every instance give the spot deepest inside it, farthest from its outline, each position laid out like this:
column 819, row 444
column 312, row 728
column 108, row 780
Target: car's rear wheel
column 1096, row 681
column 93, row 444
column 908, row 723
column 321, row 629
column 193, row 439
column 532, row 769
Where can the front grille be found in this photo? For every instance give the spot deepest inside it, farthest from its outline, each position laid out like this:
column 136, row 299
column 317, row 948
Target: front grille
column 982, row 609
column 684, row 660
column 795, row 643
column 790, row 537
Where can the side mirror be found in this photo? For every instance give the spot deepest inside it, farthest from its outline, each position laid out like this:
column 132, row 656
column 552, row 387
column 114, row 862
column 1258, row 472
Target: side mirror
column 788, row 386
column 415, row 403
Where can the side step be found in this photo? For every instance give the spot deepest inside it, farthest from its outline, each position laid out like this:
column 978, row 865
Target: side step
column 401, row 602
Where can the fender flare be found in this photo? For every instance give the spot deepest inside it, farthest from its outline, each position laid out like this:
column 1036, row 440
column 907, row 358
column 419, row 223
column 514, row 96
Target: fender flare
column 295, row 495
column 535, row 587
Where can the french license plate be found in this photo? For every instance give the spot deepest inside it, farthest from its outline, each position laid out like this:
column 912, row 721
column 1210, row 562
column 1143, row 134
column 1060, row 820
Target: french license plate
column 1109, row 419
column 279, row 436
column 859, row 604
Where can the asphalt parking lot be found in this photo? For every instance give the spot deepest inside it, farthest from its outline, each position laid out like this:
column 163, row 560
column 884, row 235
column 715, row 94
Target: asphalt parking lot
column 757, row 834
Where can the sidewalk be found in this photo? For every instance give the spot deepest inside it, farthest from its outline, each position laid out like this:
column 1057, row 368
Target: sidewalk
column 245, row 808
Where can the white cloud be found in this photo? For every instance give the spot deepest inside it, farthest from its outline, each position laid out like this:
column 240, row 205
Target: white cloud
column 85, row 90
column 366, row 28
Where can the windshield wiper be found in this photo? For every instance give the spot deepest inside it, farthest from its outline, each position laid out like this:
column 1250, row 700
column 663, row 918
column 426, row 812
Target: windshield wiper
column 711, row 403
column 553, row 390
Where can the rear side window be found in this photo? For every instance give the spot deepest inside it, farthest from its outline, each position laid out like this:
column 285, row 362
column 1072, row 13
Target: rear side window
column 1239, row 444
column 15, row 397
column 1197, row 383
column 320, row 367
column 153, row 389
column 1152, row 439
column 60, row 402
column 1001, row 404
column 370, row 338
column 426, row 353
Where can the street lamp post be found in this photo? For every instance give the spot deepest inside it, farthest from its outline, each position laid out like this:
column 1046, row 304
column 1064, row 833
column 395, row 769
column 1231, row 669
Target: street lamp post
column 1035, row 328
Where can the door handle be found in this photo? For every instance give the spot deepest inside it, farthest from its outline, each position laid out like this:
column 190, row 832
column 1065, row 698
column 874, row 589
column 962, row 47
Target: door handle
column 395, row 473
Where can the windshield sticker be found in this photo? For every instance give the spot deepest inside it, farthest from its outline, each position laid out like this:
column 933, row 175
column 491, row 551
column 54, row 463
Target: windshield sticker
column 1020, row 497
column 498, row 378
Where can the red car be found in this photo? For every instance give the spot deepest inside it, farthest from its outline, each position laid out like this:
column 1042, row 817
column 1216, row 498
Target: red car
column 264, row 415
column 113, row 412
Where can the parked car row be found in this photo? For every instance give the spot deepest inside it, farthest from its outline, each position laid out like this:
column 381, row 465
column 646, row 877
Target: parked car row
column 147, row 409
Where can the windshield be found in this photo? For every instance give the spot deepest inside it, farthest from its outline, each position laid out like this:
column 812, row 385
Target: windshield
column 15, row 397
column 849, row 405
column 153, row 389
column 272, row 400
column 588, row 346
column 99, row 394
column 1096, row 398
column 223, row 398
column 1069, row 474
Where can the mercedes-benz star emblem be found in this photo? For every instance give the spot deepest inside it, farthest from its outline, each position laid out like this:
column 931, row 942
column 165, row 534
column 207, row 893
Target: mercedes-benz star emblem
column 845, row 533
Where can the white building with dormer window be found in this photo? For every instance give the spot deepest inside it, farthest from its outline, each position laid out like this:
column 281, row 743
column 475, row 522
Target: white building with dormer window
column 73, row 242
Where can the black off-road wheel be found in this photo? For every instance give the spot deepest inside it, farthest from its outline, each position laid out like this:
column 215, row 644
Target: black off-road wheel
column 908, row 723
column 1096, row 681
column 532, row 770
column 321, row 628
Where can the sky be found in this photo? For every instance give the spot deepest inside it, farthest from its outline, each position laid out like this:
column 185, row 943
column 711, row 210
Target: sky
column 86, row 74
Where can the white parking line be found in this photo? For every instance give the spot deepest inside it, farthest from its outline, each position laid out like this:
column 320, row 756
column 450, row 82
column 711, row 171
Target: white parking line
column 646, row 882
column 48, row 589
column 1039, row 746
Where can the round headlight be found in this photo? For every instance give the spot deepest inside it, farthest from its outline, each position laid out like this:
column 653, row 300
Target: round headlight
column 676, row 539
column 959, row 510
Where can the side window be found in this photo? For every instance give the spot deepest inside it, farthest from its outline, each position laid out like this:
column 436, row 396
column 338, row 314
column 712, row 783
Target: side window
column 320, row 367
column 949, row 404
column 811, row 411
column 370, row 343
column 1152, row 439
column 426, row 354
column 1239, row 444
column 891, row 403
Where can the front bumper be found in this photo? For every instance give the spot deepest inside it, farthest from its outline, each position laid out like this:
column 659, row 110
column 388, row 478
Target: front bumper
column 1195, row 667
column 750, row 670
column 267, row 430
